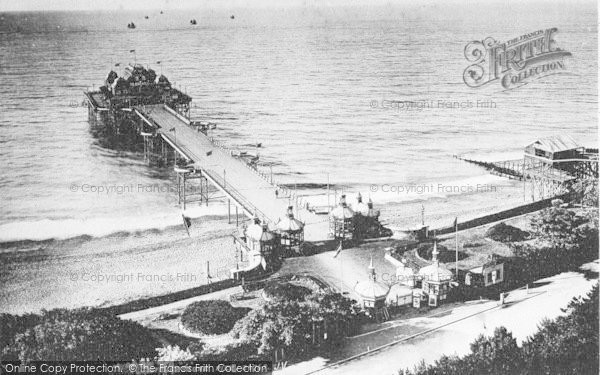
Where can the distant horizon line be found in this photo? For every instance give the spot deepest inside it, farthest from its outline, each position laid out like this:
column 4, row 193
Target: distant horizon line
column 115, row 6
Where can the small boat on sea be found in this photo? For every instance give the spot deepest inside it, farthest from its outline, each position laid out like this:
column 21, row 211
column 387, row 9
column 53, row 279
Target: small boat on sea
column 232, row 16
column 193, row 22
column 146, row 17
column 131, row 25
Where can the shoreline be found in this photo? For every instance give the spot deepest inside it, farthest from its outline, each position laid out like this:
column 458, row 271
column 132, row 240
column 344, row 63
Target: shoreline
column 123, row 268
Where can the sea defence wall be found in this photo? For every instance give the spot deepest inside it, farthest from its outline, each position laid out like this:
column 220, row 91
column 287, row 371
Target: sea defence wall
column 502, row 215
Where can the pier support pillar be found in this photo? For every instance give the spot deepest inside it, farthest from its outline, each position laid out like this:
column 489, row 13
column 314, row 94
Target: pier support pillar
column 228, row 211
column 237, row 221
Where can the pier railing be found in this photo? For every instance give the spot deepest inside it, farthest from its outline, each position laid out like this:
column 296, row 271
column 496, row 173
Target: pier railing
column 236, row 195
column 285, row 191
column 145, row 114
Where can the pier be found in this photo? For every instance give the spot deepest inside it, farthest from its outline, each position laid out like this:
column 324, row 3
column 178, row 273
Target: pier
column 145, row 106
column 240, row 182
column 550, row 167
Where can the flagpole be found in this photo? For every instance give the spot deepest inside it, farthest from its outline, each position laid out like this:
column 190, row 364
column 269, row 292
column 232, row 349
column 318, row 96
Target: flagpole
column 328, row 204
column 456, row 245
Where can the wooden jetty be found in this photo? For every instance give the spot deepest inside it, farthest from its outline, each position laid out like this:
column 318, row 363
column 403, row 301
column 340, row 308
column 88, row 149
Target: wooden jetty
column 512, row 169
column 550, row 167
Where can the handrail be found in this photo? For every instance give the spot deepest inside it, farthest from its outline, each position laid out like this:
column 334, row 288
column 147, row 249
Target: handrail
column 248, row 206
column 217, row 179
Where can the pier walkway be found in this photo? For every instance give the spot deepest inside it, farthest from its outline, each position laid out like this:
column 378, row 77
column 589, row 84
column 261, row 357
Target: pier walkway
column 235, row 178
column 248, row 189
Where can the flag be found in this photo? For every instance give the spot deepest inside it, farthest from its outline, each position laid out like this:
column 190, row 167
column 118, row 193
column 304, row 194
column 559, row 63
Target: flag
column 172, row 129
column 338, row 250
column 455, row 225
column 209, row 153
column 131, row 51
column 187, row 222
column 118, row 64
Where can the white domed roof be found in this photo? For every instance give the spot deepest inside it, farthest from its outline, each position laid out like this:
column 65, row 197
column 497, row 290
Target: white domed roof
column 258, row 232
column 342, row 211
column 360, row 207
column 289, row 223
column 371, row 289
column 435, row 272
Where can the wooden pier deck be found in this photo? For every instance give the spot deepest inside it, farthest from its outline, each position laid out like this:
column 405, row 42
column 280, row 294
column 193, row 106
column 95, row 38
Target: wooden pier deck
column 249, row 190
column 238, row 181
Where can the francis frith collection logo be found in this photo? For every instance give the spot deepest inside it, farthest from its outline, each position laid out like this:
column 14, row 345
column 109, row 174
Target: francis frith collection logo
column 516, row 62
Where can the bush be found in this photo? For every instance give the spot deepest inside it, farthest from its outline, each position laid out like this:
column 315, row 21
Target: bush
column 211, row 317
column 425, row 251
column 565, row 240
column 506, row 233
column 286, row 291
column 79, row 335
column 290, row 325
column 11, row 325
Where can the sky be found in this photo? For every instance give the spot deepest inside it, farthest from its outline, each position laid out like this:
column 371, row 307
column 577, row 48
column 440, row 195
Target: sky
column 83, row 5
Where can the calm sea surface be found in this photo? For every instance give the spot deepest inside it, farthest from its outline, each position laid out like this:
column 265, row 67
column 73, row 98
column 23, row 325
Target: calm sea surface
column 313, row 85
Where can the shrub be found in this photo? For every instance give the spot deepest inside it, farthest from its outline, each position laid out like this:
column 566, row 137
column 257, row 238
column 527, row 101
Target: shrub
column 290, row 325
column 502, row 232
column 445, row 255
column 11, row 325
column 565, row 240
column 286, row 291
column 81, row 335
column 211, row 317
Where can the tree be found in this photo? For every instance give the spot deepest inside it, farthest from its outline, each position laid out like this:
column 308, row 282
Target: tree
column 211, row 316
column 278, row 324
column 287, row 291
column 289, row 324
column 565, row 240
column 83, row 334
column 566, row 229
column 498, row 354
column 568, row 344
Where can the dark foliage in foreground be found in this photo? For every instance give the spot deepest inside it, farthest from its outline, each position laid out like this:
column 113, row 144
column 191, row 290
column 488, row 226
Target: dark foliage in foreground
column 565, row 240
column 502, row 232
column 82, row 334
column 286, row 291
column 567, row 345
column 211, row 317
column 295, row 325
